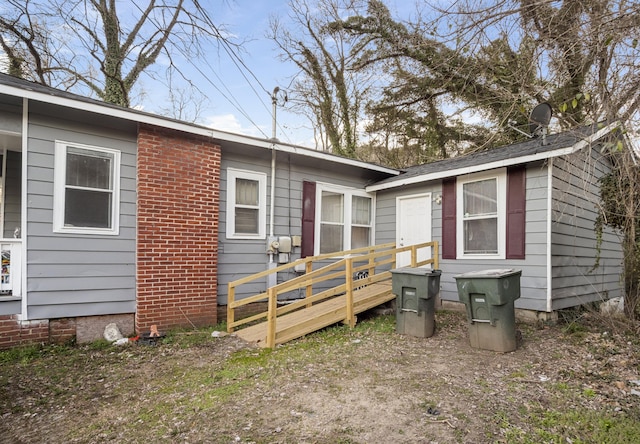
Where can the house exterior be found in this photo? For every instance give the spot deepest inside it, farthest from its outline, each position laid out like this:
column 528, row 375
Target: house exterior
column 319, row 206
column 115, row 215
column 529, row 206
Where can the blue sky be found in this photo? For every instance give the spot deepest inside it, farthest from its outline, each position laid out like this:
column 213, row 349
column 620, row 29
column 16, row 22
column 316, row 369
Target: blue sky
column 239, row 95
column 237, row 101
column 251, row 84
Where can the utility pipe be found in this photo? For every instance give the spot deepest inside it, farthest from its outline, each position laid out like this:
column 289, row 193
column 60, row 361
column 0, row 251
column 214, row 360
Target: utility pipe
column 274, row 100
column 272, row 278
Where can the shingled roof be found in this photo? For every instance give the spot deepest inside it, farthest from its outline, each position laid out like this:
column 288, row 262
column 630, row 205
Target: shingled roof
column 17, row 87
column 518, row 153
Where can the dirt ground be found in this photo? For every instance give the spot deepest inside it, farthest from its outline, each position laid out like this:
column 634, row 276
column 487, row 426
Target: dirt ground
column 569, row 383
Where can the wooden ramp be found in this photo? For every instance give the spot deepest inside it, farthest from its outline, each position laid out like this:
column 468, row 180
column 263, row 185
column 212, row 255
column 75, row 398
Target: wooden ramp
column 309, row 319
column 336, row 287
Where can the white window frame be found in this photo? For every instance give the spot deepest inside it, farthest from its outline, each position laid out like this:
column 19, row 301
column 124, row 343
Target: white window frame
column 347, row 193
column 232, row 175
column 501, row 182
column 59, row 187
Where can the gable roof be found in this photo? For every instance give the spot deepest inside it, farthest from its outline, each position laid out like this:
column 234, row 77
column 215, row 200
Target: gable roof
column 532, row 150
column 21, row 88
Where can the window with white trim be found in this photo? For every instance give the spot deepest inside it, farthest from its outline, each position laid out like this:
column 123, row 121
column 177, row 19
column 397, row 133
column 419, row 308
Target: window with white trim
column 481, row 208
column 246, row 204
column 344, row 219
column 86, row 189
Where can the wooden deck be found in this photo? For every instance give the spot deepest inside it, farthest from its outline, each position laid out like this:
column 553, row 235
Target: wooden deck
column 337, row 286
column 309, row 319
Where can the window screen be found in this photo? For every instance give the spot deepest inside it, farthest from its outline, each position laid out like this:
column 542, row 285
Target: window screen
column 480, row 217
column 247, row 210
column 88, row 188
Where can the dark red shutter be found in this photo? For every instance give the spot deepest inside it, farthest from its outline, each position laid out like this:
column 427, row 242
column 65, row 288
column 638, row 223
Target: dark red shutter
column 308, row 218
column 516, row 202
column 449, row 219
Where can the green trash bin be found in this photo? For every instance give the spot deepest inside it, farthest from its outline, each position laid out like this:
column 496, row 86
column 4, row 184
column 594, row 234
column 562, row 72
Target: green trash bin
column 489, row 297
column 416, row 290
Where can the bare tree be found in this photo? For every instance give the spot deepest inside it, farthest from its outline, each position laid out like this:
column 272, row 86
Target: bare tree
column 101, row 47
column 620, row 209
column 23, row 37
column 585, row 53
column 327, row 89
column 432, row 84
column 500, row 59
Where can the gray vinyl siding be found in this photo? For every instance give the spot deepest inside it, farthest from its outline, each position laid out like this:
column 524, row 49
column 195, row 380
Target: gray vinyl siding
column 74, row 274
column 386, row 211
column 12, row 193
column 11, row 115
column 241, row 257
column 574, row 250
column 533, row 280
column 10, row 305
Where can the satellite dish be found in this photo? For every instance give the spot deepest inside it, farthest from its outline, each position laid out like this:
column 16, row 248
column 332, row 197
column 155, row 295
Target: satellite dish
column 539, row 119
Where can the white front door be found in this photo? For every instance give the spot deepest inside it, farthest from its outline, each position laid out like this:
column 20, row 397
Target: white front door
column 413, row 225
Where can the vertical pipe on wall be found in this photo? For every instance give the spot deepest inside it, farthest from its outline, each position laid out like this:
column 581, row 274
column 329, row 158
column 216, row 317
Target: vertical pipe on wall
column 3, row 190
column 274, row 100
column 273, row 195
column 549, row 240
column 272, row 278
column 23, row 207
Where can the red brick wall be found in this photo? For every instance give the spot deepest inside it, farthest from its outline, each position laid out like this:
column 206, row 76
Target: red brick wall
column 62, row 330
column 14, row 332
column 177, row 240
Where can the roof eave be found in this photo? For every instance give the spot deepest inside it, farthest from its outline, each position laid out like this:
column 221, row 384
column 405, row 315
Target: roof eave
column 142, row 117
column 493, row 165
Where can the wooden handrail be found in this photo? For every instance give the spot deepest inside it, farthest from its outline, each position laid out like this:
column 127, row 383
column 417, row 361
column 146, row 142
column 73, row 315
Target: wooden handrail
column 347, row 264
column 271, row 318
column 351, row 320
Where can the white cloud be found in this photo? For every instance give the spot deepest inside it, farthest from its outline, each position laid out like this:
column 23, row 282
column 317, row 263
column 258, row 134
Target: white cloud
column 230, row 123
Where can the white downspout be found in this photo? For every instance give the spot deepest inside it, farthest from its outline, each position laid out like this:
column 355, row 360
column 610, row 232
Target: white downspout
column 23, row 207
column 3, row 188
column 549, row 228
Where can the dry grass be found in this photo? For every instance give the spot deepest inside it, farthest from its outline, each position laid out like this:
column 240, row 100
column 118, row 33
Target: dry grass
column 571, row 382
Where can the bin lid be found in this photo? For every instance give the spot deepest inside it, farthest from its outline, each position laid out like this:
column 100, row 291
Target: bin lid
column 414, row 271
column 489, row 274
